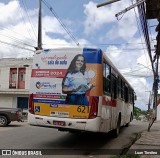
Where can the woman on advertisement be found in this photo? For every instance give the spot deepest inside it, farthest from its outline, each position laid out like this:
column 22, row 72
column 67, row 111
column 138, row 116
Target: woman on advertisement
column 76, row 82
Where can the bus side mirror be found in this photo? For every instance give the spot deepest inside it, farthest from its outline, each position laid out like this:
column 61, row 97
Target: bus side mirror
column 135, row 97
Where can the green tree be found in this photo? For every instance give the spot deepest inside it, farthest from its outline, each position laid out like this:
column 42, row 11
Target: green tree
column 137, row 112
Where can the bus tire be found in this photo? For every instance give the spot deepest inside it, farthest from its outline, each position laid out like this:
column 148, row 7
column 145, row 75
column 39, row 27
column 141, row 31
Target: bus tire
column 127, row 125
column 117, row 130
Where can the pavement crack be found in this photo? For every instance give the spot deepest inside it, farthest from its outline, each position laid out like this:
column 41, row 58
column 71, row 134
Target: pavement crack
column 133, row 140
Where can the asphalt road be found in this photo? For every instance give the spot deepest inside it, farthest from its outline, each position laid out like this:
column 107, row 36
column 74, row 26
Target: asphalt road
column 20, row 135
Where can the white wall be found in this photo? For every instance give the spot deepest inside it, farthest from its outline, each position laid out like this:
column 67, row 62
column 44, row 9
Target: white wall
column 4, row 78
column 14, row 101
column 158, row 112
column 8, row 97
column 6, row 101
column 28, row 77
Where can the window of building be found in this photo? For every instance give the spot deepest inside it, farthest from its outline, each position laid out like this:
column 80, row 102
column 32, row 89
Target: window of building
column 13, row 78
column 21, row 78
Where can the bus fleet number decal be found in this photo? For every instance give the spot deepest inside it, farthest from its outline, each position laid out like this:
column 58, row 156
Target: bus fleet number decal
column 83, row 109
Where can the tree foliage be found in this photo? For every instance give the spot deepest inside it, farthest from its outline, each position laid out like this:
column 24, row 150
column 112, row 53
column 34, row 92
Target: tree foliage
column 137, row 112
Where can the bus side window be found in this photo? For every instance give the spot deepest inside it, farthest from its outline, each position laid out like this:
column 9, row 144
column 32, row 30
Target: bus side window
column 114, row 87
column 106, row 78
column 119, row 87
column 130, row 95
column 126, row 94
column 122, row 89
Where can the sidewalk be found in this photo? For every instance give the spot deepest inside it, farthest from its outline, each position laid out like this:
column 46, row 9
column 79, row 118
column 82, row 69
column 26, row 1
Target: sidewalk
column 148, row 146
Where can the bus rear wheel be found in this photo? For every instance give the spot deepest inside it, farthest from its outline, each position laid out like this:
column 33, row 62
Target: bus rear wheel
column 117, row 130
column 127, row 125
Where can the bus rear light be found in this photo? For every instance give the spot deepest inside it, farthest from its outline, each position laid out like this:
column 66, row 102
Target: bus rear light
column 94, row 108
column 31, row 104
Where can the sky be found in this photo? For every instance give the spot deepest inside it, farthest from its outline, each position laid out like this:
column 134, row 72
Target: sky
column 81, row 22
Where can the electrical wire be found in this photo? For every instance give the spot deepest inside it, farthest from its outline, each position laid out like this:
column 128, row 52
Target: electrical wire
column 136, row 75
column 60, row 21
column 150, row 32
column 119, row 44
column 137, row 70
column 17, row 33
column 144, row 25
column 3, row 42
column 139, row 31
column 23, row 17
column 111, row 50
column 15, row 52
column 17, row 40
column 25, row 8
column 13, row 38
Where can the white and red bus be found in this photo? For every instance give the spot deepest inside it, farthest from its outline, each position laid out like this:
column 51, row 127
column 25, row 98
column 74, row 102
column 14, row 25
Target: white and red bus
column 108, row 98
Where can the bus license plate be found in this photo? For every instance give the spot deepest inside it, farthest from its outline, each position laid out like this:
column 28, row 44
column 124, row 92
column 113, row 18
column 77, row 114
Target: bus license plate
column 59, row 123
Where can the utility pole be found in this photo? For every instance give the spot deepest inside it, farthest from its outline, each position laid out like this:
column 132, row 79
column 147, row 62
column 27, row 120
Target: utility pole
column 39, row 45
column 149, row 101
column 129, row 8
column 156, row 78
column 124, row 10
column 155, row 89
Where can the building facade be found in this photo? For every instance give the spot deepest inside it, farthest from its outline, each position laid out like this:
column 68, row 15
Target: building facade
column 15, row 76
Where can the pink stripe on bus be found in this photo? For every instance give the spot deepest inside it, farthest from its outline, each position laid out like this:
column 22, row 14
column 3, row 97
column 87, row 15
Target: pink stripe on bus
column 108, row 102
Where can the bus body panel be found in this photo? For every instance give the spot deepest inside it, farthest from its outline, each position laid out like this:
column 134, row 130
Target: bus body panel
column 48, row 102
column 49, row 69
column 70, row 124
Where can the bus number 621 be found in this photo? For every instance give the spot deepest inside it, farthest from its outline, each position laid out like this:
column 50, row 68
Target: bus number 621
column 82, row 109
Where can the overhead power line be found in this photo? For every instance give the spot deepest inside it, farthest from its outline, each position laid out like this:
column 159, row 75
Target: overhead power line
column 138, row 25
column 23, row 17
column 144, row 25
column 3, row 42
column 129, row 8
column 17, row 40
column 60, row 21
column 137, row 75
column 29, row 18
